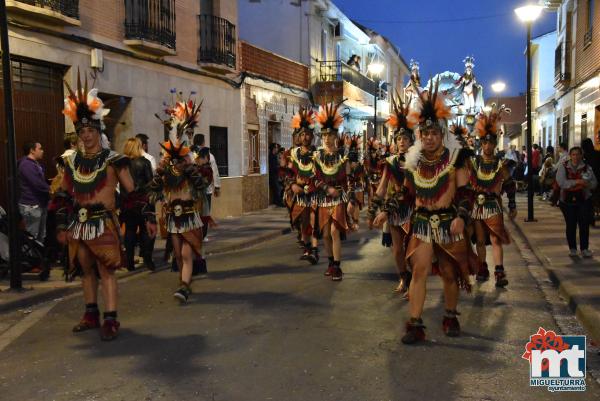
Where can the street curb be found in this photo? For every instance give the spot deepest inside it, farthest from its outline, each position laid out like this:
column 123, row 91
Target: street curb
column 54, row 293
column 587, row 315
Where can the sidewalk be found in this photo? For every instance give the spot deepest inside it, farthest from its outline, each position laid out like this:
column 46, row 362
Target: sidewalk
column 578, row 279
column 232, row 234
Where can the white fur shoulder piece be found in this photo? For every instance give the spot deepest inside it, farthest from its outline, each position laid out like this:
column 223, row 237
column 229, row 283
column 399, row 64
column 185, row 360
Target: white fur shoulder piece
column 413, row 155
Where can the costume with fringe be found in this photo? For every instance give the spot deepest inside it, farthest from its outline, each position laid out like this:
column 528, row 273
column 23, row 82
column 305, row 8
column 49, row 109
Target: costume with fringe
column 357, row 180
column 178, row 173
column 89, row 224
column 428, row 180
column 491, row 178
column 331, row 171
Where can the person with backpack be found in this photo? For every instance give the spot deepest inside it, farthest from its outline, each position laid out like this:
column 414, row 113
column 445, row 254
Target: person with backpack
column 576, row 180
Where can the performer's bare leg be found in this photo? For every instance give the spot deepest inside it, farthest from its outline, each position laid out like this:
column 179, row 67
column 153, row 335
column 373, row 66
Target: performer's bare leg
column 480, row 241
column 398, row 248
column 483, row 274
column 336, row 241
column 110, row 291
column 451, row 289
column 327, row 241
column 420, row 261
column 497, row 250
column 185, row 258
column 89, row 281
column 450, row 323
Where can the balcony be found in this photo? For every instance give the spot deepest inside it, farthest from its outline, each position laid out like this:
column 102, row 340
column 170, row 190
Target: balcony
column 217, row 51
column 332, row 71
column 150, row 26
column 61, row 12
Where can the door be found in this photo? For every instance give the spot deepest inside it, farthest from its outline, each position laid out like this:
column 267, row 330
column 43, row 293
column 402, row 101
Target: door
column 218, row 147
column 38, row 103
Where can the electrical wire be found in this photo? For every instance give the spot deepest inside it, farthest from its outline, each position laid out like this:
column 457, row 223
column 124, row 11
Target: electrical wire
column 434, row 21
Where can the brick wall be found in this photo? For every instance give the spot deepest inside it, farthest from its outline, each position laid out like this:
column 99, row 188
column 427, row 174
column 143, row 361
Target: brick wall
column 262, row 62
column 588, row 58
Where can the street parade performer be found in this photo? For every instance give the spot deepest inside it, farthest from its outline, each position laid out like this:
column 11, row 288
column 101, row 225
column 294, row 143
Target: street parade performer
column 286, row 176
column 87, row 198
column 391, row 197
column 374, row 164
column 180, row 184
column 491, row 177
column 300, row 187
column 437, row 178
column 357, row 179
column 331, row 180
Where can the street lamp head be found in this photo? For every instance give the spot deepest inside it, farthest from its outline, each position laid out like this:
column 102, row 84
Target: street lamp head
column 376, row 68
column 498, row 87
column 529, row 13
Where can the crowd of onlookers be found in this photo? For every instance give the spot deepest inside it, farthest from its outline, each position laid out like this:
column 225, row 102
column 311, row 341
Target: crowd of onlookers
column 36, row 191
column 566, row 178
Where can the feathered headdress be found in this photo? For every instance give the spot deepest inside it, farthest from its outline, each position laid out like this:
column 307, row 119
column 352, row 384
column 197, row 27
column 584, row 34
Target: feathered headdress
column 354, row 147
column 182, row 115
column 398, row 120
column 488, row 121
column 84, row 108
column 329, row 118
column 431, row 109
column 304, row 120
column 460, row 132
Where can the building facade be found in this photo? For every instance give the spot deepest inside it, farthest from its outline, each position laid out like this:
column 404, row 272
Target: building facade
column 542, row 89
column 577, row 70
column 317, row 34
column 135, row 52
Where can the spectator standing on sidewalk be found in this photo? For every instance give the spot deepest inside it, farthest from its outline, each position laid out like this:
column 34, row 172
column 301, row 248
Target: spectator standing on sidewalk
column 35, row 191
column 144, row 140
column 576, row 180
column 134, row 204
column 215, row 186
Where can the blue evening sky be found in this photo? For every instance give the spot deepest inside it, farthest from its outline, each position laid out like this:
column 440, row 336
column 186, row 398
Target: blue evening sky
column 497, row 41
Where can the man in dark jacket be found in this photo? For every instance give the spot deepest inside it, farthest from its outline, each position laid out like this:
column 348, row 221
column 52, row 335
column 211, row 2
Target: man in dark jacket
column 34, row 194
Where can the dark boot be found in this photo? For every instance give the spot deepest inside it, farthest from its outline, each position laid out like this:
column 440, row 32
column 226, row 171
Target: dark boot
column 90, row 320
column 109, row 330
column 450, row 324
column 337, row 274
column 329, row 267
column 415, row 331
column 306, row 253
column 313, row 257
column 483, row 274
column 183, row 293
column 500, row 276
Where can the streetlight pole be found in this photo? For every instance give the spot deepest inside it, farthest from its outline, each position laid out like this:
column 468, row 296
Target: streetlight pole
column 530, row 216
column 375, row 115
column 11, row 161
column 528, row 14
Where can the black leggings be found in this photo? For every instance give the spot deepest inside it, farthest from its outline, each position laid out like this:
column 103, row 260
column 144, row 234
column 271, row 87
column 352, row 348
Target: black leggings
column 134, row 224
column 577, row 214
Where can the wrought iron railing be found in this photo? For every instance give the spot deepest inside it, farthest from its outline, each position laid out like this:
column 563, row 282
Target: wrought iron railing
column 217, row 41
column 340, row 71
column 68, row 8
column 151, row 20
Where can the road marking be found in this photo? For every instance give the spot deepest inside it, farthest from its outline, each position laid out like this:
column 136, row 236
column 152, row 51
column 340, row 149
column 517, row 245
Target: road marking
column 15, row 331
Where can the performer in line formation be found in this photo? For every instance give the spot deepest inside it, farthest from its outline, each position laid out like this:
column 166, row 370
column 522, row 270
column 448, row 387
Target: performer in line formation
column 437, row 178
column 299, row 183
column 357, row 179
column 391, row 196
column 86, row 207
column 180, row 185
column 491, row 177
column 331, row 180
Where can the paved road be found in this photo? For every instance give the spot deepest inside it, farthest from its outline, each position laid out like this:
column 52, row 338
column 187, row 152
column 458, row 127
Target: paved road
column 265, row 326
